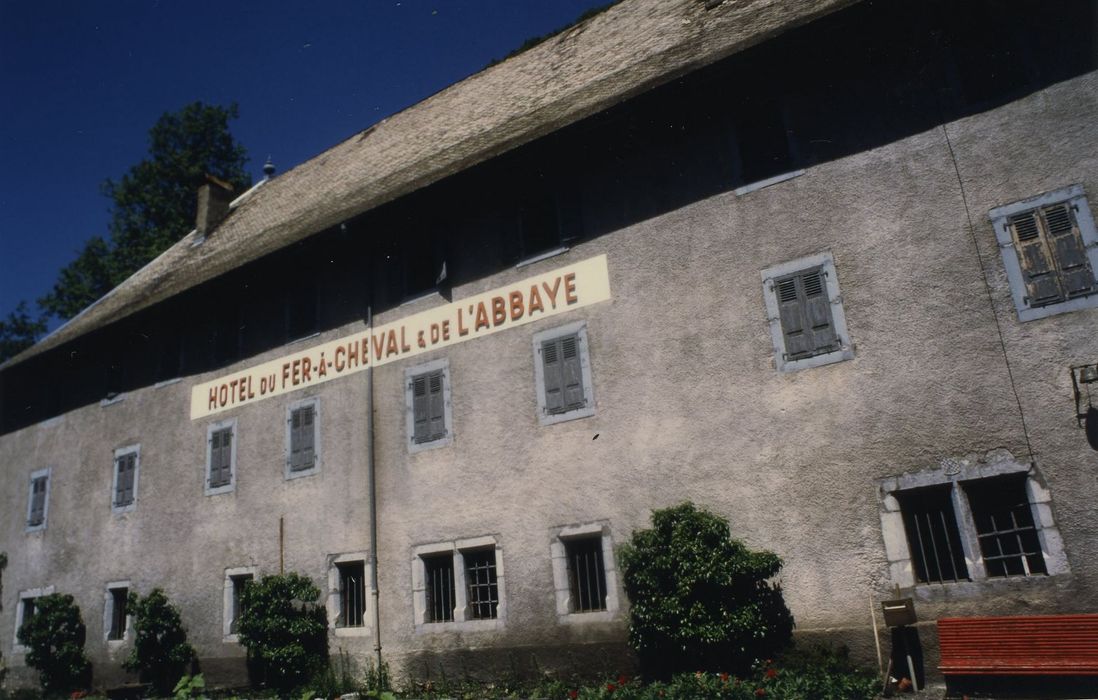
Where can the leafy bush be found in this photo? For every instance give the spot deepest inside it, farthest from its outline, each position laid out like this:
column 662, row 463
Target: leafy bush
column 700, row 599
column 284, row 629
column 160, row 654
column 54, row 636
column 189, row 687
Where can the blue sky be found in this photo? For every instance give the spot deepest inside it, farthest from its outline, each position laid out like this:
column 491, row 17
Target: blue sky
column 82, row 82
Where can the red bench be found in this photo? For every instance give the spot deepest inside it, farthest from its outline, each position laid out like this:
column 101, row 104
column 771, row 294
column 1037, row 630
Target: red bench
column 1030, row 645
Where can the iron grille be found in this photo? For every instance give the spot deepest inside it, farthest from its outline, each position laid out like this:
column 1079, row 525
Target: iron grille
column 439, row 572
column 480, row 579
column 352, row 594
column 586, row 574
column 932, row 534
column 1004, row 524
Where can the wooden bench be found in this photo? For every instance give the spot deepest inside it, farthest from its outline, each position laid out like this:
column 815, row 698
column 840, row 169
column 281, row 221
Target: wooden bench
column 1029, row 645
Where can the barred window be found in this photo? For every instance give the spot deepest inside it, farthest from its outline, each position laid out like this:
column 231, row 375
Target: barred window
column 932, row 534
column 439, row 580
column 1004, row 526
column 352, row 594
column 238, row 582
column 117, row 614
column 586, row 574
column 481, row 583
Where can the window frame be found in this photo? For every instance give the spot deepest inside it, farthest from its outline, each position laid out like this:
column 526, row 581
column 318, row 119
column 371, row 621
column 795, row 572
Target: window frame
column 579, row 329
column 442, row 366
column 463, row 620
column 135, row 450
column 109, row 612
column 229, row 612
column 334, row 602
column 211, row 428
column 289, row 472
column 1072, row 195
column 20, row 613
column 825, row 261
column 559, row 536
column 45, row 473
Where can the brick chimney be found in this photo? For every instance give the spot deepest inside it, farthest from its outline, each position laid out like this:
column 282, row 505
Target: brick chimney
column 213, row 204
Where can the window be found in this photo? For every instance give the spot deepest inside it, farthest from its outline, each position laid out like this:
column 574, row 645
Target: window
column 38, row 500
column 807, row 323
column 968, row 521
column 563, row 374
column 221, row 457
column 236, row 580
column 583, row 571
column 115, row 612
column 1050, row 252
column 302, row 438
column 352, row 594
column 428, row 407
column 459, row 583
column 124, row 487
column 25, row 610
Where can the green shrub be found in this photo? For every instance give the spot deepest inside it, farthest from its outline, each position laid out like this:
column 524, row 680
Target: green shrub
column 54, row 636
column 160, row 654
column 700, row 599
column 189, row 687
column 284, row 629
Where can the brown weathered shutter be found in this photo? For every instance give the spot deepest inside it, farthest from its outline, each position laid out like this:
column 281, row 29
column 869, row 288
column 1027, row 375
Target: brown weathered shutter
column 571, row 373
column 1038, row 269
column 226, row 456
column 307, row 438
column 436, row 407
column 38, row 501
column 420, row 409
column 221, row 453
column 817, row 308
column 215, row 458
column 553, row 375
column 1066, row 242
column 798, row 342
column 295, row 440
column 123, row 494
column 805, row 312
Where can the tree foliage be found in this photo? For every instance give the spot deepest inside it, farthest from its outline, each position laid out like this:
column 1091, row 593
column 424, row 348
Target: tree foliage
column 19, row 331
column 153, row 205
column 54, row 636
column 160, row 654
column 284, row 629
column 700, row 599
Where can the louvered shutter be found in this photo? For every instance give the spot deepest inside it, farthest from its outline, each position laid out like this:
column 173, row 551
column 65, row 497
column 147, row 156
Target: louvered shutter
column 818, row 312
column 805, row 312
column 307, row 438
column 420, row 409
column 1038, row 270
column 215, row 458
column 553, row 375
column 295, row 440
column 571, row 373
column 798, row 342
column 124, row 490
column 1066, row 241
column 436, row 407
column 226, row 456
column 221, row 446
column 38, row 501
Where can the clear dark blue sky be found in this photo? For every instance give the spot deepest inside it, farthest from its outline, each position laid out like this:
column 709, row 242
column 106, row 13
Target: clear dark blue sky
column 82, row 82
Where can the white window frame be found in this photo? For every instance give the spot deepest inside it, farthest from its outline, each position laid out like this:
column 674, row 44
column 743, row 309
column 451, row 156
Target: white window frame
column 410, row 373
column 289, row 473
column 227, row 607
column 826, row 262
column 20, row 610
column 47, row 472
column 462, row 621
column 108, row 614
column 210, row 430
column 956, row 473
column 579, row 329
column 558, row 552
column 121, row 452
column 334, row 601
column 1073, row 195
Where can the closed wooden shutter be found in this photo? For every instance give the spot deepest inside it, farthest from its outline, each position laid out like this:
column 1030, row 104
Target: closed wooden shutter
column 1076, row 275
column 302, row 438
column 1038, row 269
column 38, row 501
column 554, row 382
column 571, row 373
column 436, row 406
column 221, row 452
column 420, row 409
column 123, row 494
column 805, row 312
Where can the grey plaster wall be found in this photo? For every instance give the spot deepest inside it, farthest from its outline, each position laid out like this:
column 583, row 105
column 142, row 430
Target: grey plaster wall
column 689, row 406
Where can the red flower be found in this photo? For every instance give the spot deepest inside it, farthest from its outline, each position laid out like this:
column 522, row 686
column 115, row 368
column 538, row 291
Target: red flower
column 724, row 677
column 759, row 692
column 771, row 673
column 573, row 694
column 622, row 680
column 610, row 687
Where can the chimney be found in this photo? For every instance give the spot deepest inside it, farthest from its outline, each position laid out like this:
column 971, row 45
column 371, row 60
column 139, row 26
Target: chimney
column 213, row 204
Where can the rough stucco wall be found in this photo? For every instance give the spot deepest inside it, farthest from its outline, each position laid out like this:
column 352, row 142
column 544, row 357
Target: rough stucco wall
column 689, row 406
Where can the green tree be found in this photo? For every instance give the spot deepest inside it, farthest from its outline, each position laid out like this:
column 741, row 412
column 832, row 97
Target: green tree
column 284, row 629
column 19, row 331
column 700, row 599
column 54, row 636
column 153, row 205
column 160, row 654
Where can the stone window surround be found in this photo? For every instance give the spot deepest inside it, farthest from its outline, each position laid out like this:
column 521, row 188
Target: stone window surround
column 16, row 647
column 289, row 473
column 108, row 614
column 460, row 623
column 227, row 635
column 561, row 587
column 971, row 468
column 48, row 473
column 333, row 602
column 211, row 428
column 579, row 328
column 447, row 403
column 1076, row 195
column 120, row 452
column 826, row 261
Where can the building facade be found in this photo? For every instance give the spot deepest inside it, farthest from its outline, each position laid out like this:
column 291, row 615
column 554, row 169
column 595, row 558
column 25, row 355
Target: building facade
column 825, row 269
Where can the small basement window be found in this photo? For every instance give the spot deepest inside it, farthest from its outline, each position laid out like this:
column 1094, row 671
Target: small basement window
column 481, row 583
column 439, row 579
column 1004, row 527
column 117, row 611
column 932, row 535
column 352, row 593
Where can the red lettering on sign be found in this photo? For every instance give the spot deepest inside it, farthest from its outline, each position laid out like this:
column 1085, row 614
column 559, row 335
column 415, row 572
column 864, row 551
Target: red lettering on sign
column 251, row 393
column 379, row 344
column 404, row 347
column 499, row 310
column 570, row 288
column 462, row 330
column 552, row 292
column 223, row 394
column 306, row 369
column 213, row 398
column 391, row 347
column 517, row 306
column 535, row 301
column 446, row 328
column 340, row 358
column 285, row 374
column 482, row 317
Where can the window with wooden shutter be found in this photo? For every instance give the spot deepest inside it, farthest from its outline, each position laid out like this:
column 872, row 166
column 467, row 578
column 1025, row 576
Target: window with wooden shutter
column 303, row 438
column 427, row 393
column 125, row 474
column 37, row 514
column 805, row 312
column 563, row 372
column 221, row 457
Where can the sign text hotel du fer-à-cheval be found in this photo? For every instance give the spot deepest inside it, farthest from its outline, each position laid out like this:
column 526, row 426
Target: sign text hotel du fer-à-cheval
column 564, row 289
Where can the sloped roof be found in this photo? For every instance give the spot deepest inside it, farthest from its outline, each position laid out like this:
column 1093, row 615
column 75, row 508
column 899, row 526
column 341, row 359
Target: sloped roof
column 628, row 49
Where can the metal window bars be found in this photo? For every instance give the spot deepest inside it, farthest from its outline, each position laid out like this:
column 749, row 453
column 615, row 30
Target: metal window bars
column 352, row 594
column 932, row 535
column 586, row 574
column 439, row 573
column 1004, row 526
column 480, row 582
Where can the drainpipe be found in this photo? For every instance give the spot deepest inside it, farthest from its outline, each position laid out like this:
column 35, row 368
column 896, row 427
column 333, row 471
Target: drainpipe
column 371, row 480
